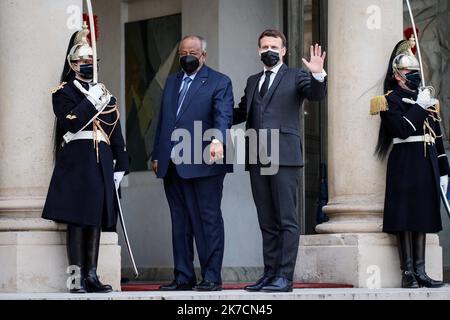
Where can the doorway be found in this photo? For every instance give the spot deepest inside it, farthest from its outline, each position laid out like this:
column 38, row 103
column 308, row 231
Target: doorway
column 304, row 23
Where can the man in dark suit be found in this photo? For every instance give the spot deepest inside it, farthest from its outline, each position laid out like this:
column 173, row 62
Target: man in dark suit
column 272, row 101
column 195, row 100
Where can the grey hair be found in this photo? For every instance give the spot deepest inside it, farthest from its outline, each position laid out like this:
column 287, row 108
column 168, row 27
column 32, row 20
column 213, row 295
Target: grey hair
column 201, row 39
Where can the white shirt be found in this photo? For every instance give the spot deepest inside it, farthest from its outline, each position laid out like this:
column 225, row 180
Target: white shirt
column 318, row 76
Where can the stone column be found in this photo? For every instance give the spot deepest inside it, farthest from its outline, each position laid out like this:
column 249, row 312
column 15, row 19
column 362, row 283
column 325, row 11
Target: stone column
column 352, row 248
column 34, row 39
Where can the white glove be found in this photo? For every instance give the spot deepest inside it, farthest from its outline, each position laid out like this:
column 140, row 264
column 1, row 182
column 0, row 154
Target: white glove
column 444, row 183
column 118, row 176
column 98, row 96
column 423, row 99
column 104, row 101
column 96, row 92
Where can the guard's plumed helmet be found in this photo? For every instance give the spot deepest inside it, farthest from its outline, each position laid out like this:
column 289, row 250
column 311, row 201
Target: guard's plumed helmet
column 405, row 58
column 81, row 49
column 405, row 62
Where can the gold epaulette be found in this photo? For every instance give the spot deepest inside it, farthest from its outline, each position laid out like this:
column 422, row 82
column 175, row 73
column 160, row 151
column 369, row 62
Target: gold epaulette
column 379, row 104
column 58, row 87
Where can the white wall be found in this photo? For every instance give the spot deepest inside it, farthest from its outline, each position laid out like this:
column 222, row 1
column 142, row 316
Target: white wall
column 231, row 28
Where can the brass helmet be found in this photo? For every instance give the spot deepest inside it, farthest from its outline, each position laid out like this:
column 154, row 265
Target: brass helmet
column 405, row 62
column 81, row 49
column 405, row 58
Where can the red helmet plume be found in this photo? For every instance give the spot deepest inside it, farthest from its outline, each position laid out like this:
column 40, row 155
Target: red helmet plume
column 86, row 19
column 409, row 33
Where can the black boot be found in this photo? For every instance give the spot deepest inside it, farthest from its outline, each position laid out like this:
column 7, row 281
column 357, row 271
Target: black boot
column 93, row 284
column 419, row 245
column 409, row 280
column 75, row 255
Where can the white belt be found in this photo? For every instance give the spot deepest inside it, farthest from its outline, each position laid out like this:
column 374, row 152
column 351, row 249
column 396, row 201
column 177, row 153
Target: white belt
column 89, row 135
column 426, row 138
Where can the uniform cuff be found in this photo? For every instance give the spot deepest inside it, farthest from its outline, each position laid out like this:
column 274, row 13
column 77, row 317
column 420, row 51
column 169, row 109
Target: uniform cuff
column 320, row 76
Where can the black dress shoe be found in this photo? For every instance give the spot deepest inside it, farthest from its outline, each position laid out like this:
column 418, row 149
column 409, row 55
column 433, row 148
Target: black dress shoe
column 93, row 284
column 405, row 250
column 92, row 247
column 419, row 240
column 78, row 291
column 206, row 285
column 278, row 284
column 423, row 279
column 264, row 281
column 409, row 280
column 175, row 286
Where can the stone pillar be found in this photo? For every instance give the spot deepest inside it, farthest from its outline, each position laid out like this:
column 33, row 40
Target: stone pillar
column 34, row 39
column 351, row 247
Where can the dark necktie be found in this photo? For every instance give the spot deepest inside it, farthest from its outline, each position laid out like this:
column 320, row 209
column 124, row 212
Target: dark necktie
column 183, row 93
column 265, row 86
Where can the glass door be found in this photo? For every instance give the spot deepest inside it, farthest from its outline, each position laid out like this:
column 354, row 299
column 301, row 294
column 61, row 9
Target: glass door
column 304, row 23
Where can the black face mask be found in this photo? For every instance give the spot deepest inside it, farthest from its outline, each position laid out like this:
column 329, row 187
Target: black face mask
column 270, row 58
column 87, row 71
column 189, row 64
column 413, row 80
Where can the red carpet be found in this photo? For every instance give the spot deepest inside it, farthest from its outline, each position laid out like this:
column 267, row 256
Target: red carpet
column 237, row 286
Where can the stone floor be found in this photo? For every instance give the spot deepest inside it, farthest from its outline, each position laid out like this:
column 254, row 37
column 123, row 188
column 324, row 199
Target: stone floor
column 300, row 294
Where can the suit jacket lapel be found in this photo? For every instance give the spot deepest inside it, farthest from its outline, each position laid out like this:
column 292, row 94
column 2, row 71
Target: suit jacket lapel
column 253, row 86
column 274, row 85
column 199, row 81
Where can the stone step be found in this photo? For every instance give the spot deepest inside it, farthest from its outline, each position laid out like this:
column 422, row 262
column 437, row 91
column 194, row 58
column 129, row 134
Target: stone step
column 145, row 286
column 300, row 294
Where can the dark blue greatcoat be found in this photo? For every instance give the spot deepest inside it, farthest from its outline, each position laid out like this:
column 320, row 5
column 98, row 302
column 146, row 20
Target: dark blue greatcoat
column 81, row 190
column 412, row 200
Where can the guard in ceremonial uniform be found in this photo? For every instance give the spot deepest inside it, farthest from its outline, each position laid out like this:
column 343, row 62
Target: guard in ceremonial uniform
column 417, row 165
column 91, row 160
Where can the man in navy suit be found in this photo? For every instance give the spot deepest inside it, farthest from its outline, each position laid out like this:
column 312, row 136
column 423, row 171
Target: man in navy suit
column 197, row 100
